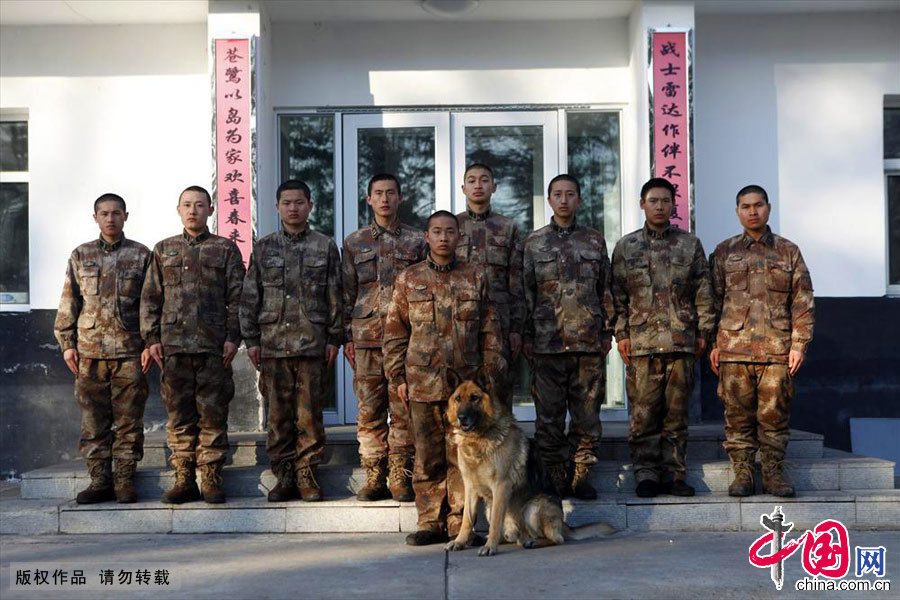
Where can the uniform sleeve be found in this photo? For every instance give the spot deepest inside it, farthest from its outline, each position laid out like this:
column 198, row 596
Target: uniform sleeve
column 251, row 303
column 605, row 294
column 66, row 326
column 396, row 334
column 803, row 306
column 516, row 287
column 491, row 332
column 703, row 296
column 350, row 290
column 529, row 293
column 152, row 300
column 234, row 281
column 717, row 280
column 335, row 297
column 619, row 285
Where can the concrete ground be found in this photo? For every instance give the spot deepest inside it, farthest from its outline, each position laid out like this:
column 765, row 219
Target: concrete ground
column 644, row 565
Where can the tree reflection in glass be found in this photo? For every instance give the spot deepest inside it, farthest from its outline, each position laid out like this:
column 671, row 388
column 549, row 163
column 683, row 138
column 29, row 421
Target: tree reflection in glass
column 307, row 153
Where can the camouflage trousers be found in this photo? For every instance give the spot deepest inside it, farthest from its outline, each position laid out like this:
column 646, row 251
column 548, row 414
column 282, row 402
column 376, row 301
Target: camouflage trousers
column 659, row 389
column 375, row 400
column 756, row 398
column 436, row 478
column 294, row 390
column 196, row 390
column 112, row 394
column 573, row 381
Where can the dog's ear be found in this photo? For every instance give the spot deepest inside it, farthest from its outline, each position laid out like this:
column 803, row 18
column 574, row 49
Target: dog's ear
column 483, row 380
column 453, row 380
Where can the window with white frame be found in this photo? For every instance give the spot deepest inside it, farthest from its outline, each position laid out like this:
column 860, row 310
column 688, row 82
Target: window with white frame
column 13, row 210
column 892, row 190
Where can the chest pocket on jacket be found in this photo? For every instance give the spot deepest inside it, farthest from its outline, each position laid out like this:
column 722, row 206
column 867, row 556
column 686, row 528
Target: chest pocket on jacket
column 498, row 253
column 171, row 266
column 130, row 282
column 405, row 257
column 272, row 270
column 778, row 277
column 89, row 279
column 637, row 272
column 736, row 274
column 314, row 270
column 366, row 266
column 421, row 306
column 546, row 266
column 681, row 269
column 591, row 261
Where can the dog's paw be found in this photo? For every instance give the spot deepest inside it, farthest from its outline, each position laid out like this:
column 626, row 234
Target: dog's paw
column 453, row 546
column 488, row 551
column 529, row 544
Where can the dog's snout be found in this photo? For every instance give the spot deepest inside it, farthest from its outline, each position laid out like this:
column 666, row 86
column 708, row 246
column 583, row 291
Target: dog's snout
column 467, row 418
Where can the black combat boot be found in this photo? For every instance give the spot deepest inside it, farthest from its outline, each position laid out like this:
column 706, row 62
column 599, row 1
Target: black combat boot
column 647, row 488
column 286, row 488
column 124, row 481
column 376, row 479
column 211, row 483
column 581, row 482
column 677, row 487
column 426, row 537
column 101, row 487
column 400, row 477
column 185, row 488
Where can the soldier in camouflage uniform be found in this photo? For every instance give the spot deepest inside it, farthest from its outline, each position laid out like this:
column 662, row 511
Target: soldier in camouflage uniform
column 291, row 323
column 98, row 329
column 439, row 318
column 664, row 316
column 492, row 242
column 189, row 321
column 373, row 257
column 766, row 313
column 568, row 333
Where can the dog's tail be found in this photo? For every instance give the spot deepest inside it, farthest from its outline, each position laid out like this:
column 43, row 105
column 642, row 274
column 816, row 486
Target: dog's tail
column 588, row 531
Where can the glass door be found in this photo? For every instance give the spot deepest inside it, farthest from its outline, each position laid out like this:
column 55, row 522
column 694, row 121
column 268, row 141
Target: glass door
column 413, row 146
column 522, row 150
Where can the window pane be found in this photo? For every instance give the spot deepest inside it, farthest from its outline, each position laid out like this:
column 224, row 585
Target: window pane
column 892, row 133
column 894, row 224
column 593, row 143
column 14, row 243
column 13, row 146
column 516, row 155
column 307, row 153
column 408, row 153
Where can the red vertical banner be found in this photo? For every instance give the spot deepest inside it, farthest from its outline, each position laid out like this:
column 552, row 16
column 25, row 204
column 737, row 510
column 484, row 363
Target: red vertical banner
column 233, row 143
column 670, row 92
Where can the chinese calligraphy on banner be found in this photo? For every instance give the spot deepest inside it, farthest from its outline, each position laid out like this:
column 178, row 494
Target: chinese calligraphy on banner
column 233, row 151
column 671, row 137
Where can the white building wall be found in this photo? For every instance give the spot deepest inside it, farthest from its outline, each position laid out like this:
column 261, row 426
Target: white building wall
column 794, row 103
column 111, row 108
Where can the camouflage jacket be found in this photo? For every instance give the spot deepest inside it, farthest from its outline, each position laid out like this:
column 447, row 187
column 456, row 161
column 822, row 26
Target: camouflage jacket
column 566, row 278
column 99, row 311
column 373, row 257
column 661, row 290
column 191, row 294
column 764, row 299
column 493, row 241
column 291, row 303
column 439, row 317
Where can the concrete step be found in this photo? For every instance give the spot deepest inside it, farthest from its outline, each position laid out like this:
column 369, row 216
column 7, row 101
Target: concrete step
column 835, row 471
column 705, row 442
column 704, row 512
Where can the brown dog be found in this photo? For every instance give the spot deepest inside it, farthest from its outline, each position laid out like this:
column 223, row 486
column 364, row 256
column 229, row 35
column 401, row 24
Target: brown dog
column 493, row 455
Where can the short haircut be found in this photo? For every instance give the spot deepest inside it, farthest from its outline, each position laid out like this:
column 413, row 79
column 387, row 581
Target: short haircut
column 293, row 184
column 564, row 177
column 657, row 182
column 438, row 214
column 199, row 190
column 751, row 189
column 383, row 177
column 478, row 165
column 109, row 197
